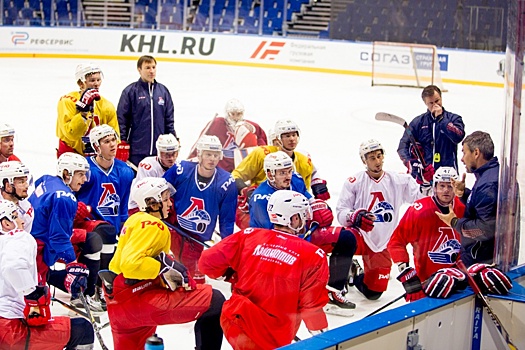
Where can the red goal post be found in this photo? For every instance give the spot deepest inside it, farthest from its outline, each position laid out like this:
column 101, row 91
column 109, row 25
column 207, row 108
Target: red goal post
column 403, row 64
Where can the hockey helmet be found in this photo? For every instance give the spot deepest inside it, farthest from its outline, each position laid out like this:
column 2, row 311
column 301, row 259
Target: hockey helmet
column 72, row 162
column 150, row 188
column 85, row 69
column 11, row 170
column 7, row 208
column 369, row 146
column 234, row 105
column 284, row 204
column 284, row 126
column 99, row 132
column 209, row 143
column 6, row 130
column 445, row 174
column 277, row 160
column 167, row 143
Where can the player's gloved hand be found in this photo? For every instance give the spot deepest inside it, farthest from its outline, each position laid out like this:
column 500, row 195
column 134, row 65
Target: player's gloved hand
column 322, row 214
column 37, row 311
column 412, row 284
column 361, row 218
column 83, row 213
column 85, row 104
column 76, row 278
column 123, row 151
column 490, row 279
column 445, row 281
column 244, row 198
column 428, row 173
column 174, row 273
column 319, row 189
column 245, row 135
column 425, row 188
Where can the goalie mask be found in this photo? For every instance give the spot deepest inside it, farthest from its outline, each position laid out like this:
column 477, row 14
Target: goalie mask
column 148, row 192
column 369, row 146
column 72, row 162
column 85, row 69
column 234, row 111
column 284, row 204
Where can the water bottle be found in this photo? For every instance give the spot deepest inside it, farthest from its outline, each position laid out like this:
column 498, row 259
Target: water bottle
column 154, row 343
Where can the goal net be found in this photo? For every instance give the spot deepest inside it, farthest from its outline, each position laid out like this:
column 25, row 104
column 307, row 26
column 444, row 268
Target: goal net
column 400, row 64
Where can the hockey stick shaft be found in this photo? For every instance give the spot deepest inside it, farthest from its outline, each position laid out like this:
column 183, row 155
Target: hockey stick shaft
column 92, row 320
column 486, row 304
column 386, row 305
column 313, row 227
column 132, row 166
column 185, row 235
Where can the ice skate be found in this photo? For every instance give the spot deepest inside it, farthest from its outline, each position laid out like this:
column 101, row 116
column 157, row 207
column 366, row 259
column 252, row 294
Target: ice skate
column 355, row 270
column 94, row 305
column 339, row 305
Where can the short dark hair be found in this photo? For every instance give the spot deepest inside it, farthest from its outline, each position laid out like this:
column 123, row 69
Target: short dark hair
column 146, row 59
column 429, row 91
column 482, row 141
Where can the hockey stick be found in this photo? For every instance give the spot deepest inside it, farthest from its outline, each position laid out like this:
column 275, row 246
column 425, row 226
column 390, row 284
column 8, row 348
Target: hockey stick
column 203, row 132
column 185, row 235
column 132, row 166
column 398, row 120
column 96, row 328
column 313, row 227
column 74, row 309
column 485, row 302
column 386, row 305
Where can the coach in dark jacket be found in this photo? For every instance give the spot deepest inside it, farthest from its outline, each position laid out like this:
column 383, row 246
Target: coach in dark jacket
column 478, row 226
column 145, row 111
column 437, row 132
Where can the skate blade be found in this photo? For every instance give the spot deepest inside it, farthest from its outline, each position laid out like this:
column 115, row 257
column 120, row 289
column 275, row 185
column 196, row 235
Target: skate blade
column 337, row 311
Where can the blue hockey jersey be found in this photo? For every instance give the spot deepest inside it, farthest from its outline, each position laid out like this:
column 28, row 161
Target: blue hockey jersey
column 107, row 192
column 259, row 200
column 197, row 209
column 55, row 207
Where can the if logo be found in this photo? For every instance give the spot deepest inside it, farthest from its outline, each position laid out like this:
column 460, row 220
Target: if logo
column 267, row 50
column 19, row 38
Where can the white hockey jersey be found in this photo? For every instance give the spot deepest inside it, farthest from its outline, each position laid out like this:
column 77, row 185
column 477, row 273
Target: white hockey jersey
column 17, row 271
column 148, row 167
column 382, row 197
column 26, row 213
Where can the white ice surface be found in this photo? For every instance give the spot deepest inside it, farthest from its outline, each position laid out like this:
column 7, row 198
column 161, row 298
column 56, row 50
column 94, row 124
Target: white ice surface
column 335, row 113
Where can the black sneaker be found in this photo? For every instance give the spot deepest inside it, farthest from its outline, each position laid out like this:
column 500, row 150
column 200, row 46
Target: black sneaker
column 355, row 270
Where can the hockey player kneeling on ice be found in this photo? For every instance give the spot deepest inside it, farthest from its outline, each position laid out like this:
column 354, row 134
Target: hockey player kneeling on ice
column 337, row 241
column 55, row 208
column 25, row 317
column 280, row 278
column 151, row 288
column 369, row 204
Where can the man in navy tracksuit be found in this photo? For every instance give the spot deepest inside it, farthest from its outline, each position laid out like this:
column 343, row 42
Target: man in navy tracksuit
column 477, row 228
column 145, row 111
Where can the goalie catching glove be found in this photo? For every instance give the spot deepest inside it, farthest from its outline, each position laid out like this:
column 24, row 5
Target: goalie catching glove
column 85, row 104
column 245, row 135
column 174, row 274
column 490, row 279
column 361, row 218
column 412, row 284
column 37, row 311
column 445, row 281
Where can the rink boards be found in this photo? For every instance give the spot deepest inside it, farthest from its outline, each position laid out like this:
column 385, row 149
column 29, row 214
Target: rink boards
column 458, row 322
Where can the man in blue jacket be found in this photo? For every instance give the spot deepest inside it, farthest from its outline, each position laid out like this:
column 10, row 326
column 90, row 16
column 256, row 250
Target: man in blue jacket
column 437, row 132
column 477, row 228
column 144, row 111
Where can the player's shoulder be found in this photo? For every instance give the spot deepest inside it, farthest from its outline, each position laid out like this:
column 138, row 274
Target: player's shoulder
column 123, row 168
column 356, row 178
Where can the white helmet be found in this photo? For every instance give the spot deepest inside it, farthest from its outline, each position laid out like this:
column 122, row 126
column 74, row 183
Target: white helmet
column 284, row 204
column 167, row 143
column 149, row 187
column 72, row 162
column 84, row 69
column 12, row 169
column 233, row 105
column 284, row 126
column 369, row 146
column 6, row 130
column 7, row 208
column 277, row 160
column 445, row 174
column 99, row 132
column 209, row 143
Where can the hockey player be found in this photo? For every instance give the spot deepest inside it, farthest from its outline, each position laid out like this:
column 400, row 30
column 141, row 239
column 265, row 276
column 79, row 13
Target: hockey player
column 151, row 287
column 55, row 207
column 7, row 143
column 437, row 133
column 281, row 278
column 370, row 201
column 205, row 194
column 14, row 184
column 338, row 241
column 80, row 111
column 107, row 190
column 234, row 132
column 155, row 166
column 435, row 245
column 25, row 317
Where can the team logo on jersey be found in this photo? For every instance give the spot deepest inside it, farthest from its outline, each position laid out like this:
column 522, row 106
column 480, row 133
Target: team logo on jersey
column 109, row 201
column 229, row 146
column 446, row 248
column 195, row 218
column 383, row 211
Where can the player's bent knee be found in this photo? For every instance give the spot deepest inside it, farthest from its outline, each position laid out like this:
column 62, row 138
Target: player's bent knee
column 82, row 334
column 93, row 244
column 346, row 244
column 107, row 232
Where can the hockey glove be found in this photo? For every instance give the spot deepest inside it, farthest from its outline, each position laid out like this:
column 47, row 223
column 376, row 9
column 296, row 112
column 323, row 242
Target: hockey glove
column 244, row 198
column 322, row 214
column 122, row 151
column 85, row 104
column 490, row 279
column 320, row 190
column 83, row 213
column 37, row 311
column 245, row 135
column 412, row 284
column 428, row 173
column 445, row 281
column 76, row 278
column 425, row 189
column 361, row 218
column 174, row 273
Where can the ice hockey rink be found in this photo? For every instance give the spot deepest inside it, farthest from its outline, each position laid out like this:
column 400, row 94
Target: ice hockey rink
column 334, row 111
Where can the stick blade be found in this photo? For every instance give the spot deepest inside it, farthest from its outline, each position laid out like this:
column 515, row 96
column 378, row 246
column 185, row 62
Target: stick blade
column 390, row 118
